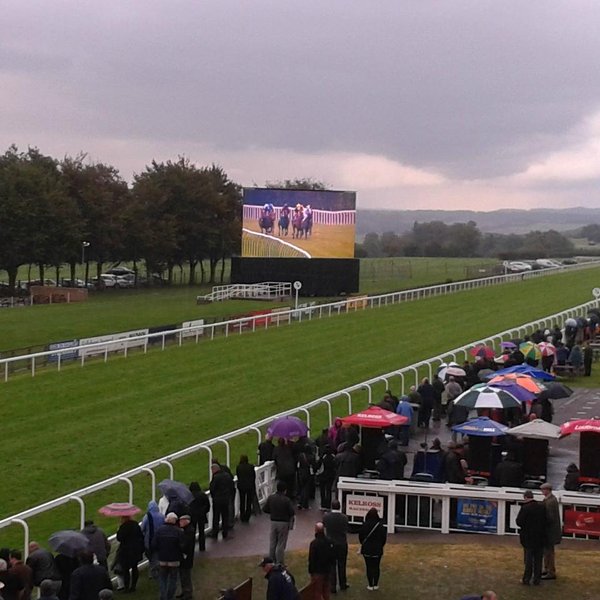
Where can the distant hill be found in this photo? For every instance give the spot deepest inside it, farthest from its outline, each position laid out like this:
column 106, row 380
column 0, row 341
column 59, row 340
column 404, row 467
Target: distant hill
column 498, row 221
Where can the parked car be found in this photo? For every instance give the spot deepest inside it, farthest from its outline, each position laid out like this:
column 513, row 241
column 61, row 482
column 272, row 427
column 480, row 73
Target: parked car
column 120, row 271
column 112, row 281
column 518, row 267
column 547, row 263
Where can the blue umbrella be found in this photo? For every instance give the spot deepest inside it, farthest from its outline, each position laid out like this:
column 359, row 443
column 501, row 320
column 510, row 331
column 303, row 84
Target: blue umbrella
column 482, row 426
column 526, row 370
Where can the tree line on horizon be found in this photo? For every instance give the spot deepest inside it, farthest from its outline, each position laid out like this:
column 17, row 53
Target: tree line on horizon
column 464, row 240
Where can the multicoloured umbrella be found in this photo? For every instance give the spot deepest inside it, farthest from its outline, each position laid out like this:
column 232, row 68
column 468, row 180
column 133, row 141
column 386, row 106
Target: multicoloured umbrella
column 527, row 370
column 287, row 428
column 525, row 381
column 530, row 350
column 120, row 509
column 580, row 426
column 486, row 396
column 482, row 351
column 520, row 393
column 482, row 426
column 375, row 417
column 547, row 349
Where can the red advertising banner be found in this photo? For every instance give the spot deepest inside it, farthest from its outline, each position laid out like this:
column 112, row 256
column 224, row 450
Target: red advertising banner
column 584, row 523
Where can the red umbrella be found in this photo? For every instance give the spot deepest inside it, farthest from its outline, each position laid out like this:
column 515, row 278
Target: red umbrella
column 547, row 349
column 120, row 509
column 482, row 351
column 375, row 417
column 580, row 426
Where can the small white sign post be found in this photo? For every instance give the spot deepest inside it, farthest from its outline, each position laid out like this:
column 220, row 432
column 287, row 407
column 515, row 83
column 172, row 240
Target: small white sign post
column 297, row 287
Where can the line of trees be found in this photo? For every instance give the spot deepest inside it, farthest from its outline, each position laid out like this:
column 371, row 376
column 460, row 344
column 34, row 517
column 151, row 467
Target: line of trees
column 436, row 238
column 55, row 212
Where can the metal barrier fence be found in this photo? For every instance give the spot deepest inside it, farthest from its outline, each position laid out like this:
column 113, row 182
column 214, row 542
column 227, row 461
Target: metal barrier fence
column 434, row 506
column 237, row 326
column 265, row 290
column 343, row 400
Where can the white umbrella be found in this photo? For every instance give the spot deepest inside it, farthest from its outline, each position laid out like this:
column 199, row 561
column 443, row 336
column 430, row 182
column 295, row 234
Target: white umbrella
column 536, row 429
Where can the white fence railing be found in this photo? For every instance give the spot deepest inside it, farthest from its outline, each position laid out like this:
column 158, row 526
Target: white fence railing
column 262, row 321
column 261, row 245
column 433, row 506
column 343, row 400
column 266, row 290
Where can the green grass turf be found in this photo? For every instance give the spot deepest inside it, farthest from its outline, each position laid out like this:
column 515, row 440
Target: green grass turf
column 112, row 311
column 415, row 571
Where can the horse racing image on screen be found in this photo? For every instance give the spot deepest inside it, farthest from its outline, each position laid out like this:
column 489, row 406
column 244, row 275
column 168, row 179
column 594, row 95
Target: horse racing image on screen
column 298, row 223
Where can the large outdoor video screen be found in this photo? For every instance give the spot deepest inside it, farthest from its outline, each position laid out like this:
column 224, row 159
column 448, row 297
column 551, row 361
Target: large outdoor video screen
column 298, row 223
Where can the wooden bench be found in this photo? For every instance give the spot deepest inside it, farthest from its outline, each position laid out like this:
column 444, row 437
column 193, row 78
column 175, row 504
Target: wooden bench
column 567, row 370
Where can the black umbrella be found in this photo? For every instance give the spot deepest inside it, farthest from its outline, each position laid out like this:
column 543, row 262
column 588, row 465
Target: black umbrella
column 555, row 391
column 69, row 542
column 175, row 489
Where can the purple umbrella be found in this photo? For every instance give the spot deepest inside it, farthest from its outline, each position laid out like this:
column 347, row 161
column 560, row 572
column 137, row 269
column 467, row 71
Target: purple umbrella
column 508, row 345
column 287, row 428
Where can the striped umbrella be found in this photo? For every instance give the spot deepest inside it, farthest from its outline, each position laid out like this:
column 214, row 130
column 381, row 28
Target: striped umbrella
column 487, row 396
column 547, row 349
column 530, row 350
column 482, row 351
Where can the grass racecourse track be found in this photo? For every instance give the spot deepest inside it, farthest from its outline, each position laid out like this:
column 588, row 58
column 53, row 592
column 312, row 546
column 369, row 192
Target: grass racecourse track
column 62, row 431
column 326, row 241
column 112, row 311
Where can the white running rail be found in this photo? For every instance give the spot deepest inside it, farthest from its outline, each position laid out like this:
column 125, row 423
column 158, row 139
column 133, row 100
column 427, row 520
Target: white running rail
column 267, row 290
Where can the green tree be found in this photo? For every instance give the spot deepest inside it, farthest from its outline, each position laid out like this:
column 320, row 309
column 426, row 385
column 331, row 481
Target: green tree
column 300, row 183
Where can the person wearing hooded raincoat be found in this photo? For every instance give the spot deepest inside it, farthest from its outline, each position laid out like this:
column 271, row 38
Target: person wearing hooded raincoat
column 152, row 520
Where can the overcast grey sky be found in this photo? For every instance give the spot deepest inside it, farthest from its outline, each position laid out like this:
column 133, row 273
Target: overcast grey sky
column 412, row 103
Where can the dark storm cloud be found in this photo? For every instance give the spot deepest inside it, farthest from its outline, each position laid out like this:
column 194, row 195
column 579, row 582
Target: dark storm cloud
column 470, row 89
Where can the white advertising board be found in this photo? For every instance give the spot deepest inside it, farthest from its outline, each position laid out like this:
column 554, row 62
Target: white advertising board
column 125, row 339
column 359, row 506
column 195, row 328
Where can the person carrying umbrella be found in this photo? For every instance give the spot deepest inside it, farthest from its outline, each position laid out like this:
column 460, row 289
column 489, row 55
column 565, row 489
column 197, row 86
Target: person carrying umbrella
column 130, row 552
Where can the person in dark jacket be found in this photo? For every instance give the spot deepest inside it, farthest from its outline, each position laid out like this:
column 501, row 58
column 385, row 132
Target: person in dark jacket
column 42, row 564
column 246, row 485
column 285, row 463
column 427, row 394
column 222, row 489
column 65, row 566
column 199, row 509
column 280, row 582
column 99, row 543
column 88, row 579
column 325, row 470
column 454, row 464
column 532, row 522
column 553, row 530
column 130, row 552
column 321, row 560
column 187, row 562
column 336, row 529
column 508, row 473
column 372, row 537
column 265, row 450
column 12, row 583
column 392, row 462
column 304, row 476
column 572, row 478
column 48, row 590
column 348, row 462
column 169, row 543
column 281, row 511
